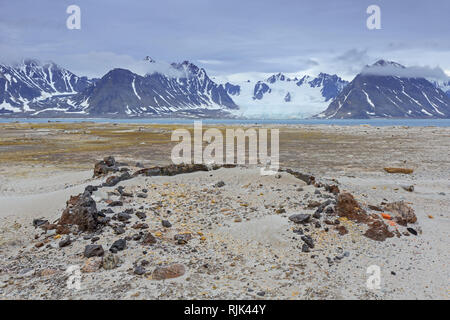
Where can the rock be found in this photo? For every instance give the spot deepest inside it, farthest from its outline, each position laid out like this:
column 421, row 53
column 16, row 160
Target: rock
column 168, row 272
column 39, row 222
column 116, row 203
column 140, row 226
column 123, row 216
column 308, row 240
column 349, row 208
column 139, row 270
column 113, row 180
column 110, row 261
column 398, row 170
column 182, row 238
column 92, row 264
column 332, row 189
column 408, row 188
column 141, row 215
column 141, row 195
column 378, row 231
column 375, row 208
column 300, row 218
column 118, row 245
column 48, row 272
column 104, row 167
column 81, row 210
column 119, row 230
column 342, row 230
column 65, row 242
column 412, row 231
column 148, row 238
column 317, row 215
column 39, row 244
column 305, row 248
column 219, row 184
column 313, row 204
column 93, row 250
column 166, row 224
column 403, row 213
column 261, row 293
column 329, row 210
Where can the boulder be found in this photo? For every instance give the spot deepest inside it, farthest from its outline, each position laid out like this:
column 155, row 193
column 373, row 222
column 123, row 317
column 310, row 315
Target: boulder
column 81, row 210
column 168, row 272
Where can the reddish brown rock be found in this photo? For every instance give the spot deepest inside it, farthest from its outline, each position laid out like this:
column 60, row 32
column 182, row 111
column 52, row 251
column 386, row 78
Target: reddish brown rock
column 341, row 230
column 378, row 231
column 349, row 208
column 92, row 264
column 168, row 272
column 403, row 214
column 148, row 238
column 104, row 167
column 81, row 210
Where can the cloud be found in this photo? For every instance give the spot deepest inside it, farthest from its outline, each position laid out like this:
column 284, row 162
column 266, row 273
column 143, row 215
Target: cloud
column 427, row 72
column 97, row 64
column 213, row 62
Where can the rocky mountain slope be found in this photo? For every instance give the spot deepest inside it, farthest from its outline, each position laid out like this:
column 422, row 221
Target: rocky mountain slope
column 377, row 95
column 124, row 93
column 29, row 81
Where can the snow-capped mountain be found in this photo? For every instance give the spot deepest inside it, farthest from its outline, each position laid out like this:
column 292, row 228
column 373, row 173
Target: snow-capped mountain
column 186, row 91
column 280, row 96
column 443, row 85
column 28, row 82
column 380, row 91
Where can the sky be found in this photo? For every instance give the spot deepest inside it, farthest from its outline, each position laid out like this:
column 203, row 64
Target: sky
column 233, row 39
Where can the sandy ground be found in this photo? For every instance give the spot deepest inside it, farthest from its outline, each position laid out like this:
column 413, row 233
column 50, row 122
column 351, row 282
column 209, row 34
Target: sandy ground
column 249, row 251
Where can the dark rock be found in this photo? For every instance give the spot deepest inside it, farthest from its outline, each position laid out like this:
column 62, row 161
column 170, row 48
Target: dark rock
column 123, row 216
column 119, row 229
column 39, row 222
column 141, row 215
column 219, row 184
column 261, row 293
column 305, row 248
column 65, row 242
column 113, row 180
column 81, row 210
column 308, row 240
column 148, row 238
column 139, row 270
column 142, row 195
column 118, row 245
column 412, row 231
column 116, row 203
column 166, row 224
column 93, row 250
column 182, row 238
column 300, row 218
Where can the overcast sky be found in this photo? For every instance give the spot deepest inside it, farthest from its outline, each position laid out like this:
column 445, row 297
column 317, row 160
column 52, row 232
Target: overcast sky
column 228, row 37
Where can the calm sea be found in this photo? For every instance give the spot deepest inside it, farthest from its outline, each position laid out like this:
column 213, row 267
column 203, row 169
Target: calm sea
column 344, row 122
